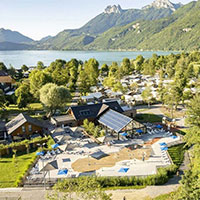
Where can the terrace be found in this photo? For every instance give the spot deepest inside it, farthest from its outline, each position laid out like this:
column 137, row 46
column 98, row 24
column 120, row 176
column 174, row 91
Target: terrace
column 78, row 155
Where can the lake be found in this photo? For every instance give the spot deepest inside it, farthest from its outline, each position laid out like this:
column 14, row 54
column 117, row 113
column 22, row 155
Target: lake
column 30, row 58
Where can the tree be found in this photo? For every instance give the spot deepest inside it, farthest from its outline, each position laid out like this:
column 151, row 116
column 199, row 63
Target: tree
column 24, row 68
column 190, row 182
column 87, row 188
column 147, row 96
column 83, row 82
column 2, row 99
column 40, row 65
column 3, row 67
column 91, row 68
column 23, row 95
column 53, row 97
column 126, row 66
column 138, row 63
column 37, row 80
column 104, row 70
column 12, row 71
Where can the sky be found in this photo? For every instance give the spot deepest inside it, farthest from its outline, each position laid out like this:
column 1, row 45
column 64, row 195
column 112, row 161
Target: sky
column 40, row 18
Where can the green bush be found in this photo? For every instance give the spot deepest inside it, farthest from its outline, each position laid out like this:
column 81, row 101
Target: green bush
column 22, row 145
column 160, row 178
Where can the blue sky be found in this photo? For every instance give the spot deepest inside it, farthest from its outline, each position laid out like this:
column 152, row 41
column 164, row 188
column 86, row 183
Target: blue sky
column 39, row 18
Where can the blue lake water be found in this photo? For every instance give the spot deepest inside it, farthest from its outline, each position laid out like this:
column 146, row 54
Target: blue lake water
column 30, row 58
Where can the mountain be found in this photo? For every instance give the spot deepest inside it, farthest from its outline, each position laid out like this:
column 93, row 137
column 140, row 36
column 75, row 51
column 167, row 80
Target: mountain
column 113, row 16
column 178, row 31
column 163, row 4
column 7, row 35
column 45, row 38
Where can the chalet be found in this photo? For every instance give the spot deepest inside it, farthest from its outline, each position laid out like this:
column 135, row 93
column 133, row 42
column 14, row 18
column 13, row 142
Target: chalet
column 77, row 114
column 92, row 97
column 6, row 83
column 24, row 126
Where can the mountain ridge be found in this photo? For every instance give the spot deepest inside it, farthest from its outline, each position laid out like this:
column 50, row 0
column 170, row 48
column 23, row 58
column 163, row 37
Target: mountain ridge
column 7, row 35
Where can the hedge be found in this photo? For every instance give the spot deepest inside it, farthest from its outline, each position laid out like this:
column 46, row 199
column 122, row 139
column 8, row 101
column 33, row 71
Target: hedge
column 160, row 178
column 21, row 146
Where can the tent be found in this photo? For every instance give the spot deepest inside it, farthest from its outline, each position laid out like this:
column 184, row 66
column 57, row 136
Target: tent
column 139, row 131
column 124, row 134
column 98, row 155
column 163, row 144
column 164, row 148
column 54, row 146
column 101, row 139
column 123, row 170
column 159, row 126
column 40, row 153
column 50, row 166
column 63, row 172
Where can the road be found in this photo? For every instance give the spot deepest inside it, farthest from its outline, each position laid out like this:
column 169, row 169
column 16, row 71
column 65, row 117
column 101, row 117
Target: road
column 130, row 194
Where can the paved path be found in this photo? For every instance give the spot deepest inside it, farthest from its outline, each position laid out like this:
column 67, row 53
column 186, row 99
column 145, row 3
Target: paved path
column 132, row 194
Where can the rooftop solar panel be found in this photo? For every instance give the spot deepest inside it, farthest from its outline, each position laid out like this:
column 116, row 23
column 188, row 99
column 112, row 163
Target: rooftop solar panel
column 114, row 120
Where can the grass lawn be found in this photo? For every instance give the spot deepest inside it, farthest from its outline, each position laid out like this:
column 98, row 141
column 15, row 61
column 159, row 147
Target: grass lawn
column 169, row 196
column 10, row 172
column 148, row 117
column 35, row 106
column 177, row 154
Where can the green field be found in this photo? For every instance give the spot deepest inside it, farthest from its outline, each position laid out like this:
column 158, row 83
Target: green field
column 10, row 171
column 148, row 117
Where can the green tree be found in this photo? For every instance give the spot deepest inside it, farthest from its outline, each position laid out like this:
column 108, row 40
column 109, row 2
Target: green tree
column 86, row 188
column 83, row 82
column 104, row 70
column 2, row 99
column 40, row 65
column 147, row 96
column 12, row 71
column 91, row 68
column 24, row 68
column 37, row 80
column 53, row 97
column 3, row 67
column 190, row 182
column 23, row 95
column 126, row 66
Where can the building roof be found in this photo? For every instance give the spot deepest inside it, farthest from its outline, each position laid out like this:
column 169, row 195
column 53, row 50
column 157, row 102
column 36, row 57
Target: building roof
column 92, row 111
column 6, row 79
column 114, row 120
column 62, row 118
column 19, row 120
column 96, row 95
column 3, row 73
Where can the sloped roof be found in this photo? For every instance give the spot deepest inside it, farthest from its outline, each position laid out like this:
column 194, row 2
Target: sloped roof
column 3, row 73
column 114, row 120
column 92, row 111
column 6, row 79
column 19, row 120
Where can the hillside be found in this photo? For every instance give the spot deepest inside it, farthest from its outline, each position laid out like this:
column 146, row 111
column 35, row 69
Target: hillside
column 112, row 17
column 7, row 46
column 177, row 32
column 13, row 37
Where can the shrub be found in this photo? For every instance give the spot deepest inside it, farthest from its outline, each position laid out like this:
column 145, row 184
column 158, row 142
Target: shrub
column 160, row 178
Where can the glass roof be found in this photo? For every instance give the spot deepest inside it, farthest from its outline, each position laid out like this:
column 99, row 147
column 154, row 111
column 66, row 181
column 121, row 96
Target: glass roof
column 114, row 120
